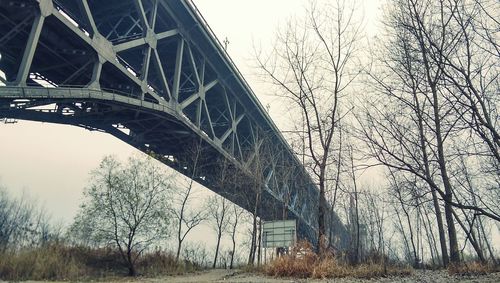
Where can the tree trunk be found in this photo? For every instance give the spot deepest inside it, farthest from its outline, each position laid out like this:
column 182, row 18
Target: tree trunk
column 233, row 239
column 448, row 198
column 480, row 227
column 432, row 83
column 253, row 246
column 405, row 238
column 233, row 250
column 471, row 236
column 321, row 211
column 219, row 235
column 428, row 176
column 358, row 241
column 442, row 236
column 251, row 255
column 180, row 238
column 177, row 254
column 432, row 239
column 488, row 245
column 412, row 240
column 130, row 263
column 259, row 249
column 448, row 209
column 452, row 233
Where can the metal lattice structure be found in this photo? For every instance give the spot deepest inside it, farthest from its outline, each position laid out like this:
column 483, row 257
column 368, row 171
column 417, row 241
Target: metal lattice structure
column 151, row 73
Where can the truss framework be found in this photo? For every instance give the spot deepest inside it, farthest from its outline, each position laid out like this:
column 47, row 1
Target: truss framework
column 143, row 66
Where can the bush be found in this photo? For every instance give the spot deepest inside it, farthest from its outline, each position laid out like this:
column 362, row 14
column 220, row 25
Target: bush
column 471, row 269
column 298, row 263
column 302, row 262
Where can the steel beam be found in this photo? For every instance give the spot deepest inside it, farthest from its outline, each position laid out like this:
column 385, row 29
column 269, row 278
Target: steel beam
column 85, row 7
column 178, row 69
column 29, row 51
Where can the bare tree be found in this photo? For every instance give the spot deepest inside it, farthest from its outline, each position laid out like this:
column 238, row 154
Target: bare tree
column 124, row 206
column 218, row 210
column 186, row 217
column 395, row 128
column 373, row 212
column 313, row 64
column 439, row 82
column 355, row 249
column 234, row 219
column 398, row 188
column 413, row 130
column 470, row 68
column 253, row 180
column 23, row 223
column 196, row 253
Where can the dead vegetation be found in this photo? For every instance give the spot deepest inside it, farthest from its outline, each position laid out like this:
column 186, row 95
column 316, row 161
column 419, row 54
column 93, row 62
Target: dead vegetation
column 60, row 262
column 302, row 262
column 474, row 268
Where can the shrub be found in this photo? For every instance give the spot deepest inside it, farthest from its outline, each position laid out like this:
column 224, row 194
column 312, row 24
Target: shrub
column 302, row 262
column 471, row 269
column 299, row 262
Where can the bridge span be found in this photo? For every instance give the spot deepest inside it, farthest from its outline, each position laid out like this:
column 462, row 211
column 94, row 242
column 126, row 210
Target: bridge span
column 153, row 74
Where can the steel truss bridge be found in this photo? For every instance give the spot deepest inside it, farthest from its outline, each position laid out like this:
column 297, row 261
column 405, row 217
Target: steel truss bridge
column 152, row 73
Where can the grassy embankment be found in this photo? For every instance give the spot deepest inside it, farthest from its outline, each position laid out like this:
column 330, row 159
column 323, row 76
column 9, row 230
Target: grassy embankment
column 61, row 262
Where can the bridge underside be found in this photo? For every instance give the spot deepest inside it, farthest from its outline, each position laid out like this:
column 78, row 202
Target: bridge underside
column 151, row 73
column 133, row 121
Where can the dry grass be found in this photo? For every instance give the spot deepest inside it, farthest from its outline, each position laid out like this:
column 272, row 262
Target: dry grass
column 472, row 269
column 60, row 262
column 49, row 262
column 163, row 263
column 299, row 263
column 249, row 268
column 302, row 262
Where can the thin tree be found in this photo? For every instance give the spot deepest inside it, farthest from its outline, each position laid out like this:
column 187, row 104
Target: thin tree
column 313, row 64
column 218, row 210
column 355, row 219
column 185, row 216
column 259, row 160
column 235, row 218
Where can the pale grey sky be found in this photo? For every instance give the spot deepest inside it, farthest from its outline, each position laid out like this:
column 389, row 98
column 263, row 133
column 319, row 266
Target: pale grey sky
column 51, row 162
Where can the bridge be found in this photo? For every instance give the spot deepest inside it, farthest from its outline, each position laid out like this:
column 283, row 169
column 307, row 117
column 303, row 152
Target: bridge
column 153, row 74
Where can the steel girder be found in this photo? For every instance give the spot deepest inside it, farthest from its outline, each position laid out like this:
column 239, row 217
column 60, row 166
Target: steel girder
column 151, row 73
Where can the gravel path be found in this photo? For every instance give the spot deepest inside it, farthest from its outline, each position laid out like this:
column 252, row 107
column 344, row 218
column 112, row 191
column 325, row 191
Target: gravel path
column 418, row 276
column 220, row 275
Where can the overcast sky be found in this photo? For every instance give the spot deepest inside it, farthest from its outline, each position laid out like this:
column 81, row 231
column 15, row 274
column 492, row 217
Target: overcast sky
column 51, row 162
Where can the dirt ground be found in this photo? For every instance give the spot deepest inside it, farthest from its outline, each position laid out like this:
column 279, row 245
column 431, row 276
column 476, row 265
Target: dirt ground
column 220, row 275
